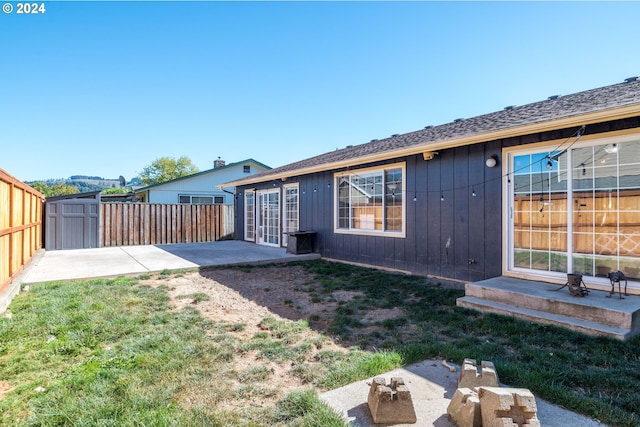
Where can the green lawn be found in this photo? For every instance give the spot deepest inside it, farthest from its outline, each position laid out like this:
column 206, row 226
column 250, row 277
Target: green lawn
column 113, row 352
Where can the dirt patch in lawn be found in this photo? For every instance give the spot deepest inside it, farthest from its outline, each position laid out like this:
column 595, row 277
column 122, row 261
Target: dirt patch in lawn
column 243, row 298
column 283, row 324
column 5, row 388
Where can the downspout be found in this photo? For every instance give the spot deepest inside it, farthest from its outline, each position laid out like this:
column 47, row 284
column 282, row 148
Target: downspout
column 221, row 188
column 235, row 211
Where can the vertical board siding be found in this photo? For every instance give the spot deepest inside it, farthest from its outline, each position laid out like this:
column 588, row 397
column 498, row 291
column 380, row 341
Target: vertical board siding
column 477, row 178
column 459, row 237
column 127, row 224
column 462, row 212
column 431, row 210
column 20, row 226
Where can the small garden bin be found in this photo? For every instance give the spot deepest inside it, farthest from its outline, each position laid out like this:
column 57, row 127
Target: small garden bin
column 300, row 242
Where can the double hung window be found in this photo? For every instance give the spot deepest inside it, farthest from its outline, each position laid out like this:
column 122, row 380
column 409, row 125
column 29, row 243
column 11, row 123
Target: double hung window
column 371, row 201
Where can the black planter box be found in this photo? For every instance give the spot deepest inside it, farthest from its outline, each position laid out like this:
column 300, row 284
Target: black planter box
column 300, row 242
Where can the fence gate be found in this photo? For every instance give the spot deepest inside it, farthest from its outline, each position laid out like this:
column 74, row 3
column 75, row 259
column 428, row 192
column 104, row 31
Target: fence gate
column 73, row 221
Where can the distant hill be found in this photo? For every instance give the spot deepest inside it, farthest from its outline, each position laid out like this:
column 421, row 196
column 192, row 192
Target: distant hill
column 86, row 183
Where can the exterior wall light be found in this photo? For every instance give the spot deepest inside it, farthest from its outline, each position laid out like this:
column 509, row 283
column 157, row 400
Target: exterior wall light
column 492, row 161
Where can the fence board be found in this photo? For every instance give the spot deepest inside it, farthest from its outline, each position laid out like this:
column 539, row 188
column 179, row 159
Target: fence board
column 125, row 224
column 20, row 230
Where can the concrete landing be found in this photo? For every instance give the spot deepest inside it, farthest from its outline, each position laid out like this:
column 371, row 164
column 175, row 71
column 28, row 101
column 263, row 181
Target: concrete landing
column 543, row 302
column 432, row 386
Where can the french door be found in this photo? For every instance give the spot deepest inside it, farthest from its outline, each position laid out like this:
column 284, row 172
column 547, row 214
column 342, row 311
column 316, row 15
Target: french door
column 269, row 217
column 576, row 209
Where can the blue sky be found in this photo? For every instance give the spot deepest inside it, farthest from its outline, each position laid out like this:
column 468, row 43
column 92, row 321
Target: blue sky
column 104, row 88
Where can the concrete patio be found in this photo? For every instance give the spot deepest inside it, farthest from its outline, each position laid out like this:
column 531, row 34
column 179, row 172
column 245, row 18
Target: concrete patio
column 115, row 261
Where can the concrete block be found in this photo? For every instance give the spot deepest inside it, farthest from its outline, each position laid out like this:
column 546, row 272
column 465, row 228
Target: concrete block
column 464, row 408
column 390, row 404
column 508, row 407
column 469, row 376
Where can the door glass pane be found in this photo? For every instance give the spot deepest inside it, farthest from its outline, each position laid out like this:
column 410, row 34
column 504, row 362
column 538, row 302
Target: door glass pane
column 540, row 211
column 606, row 203
column 272, row 223
column 291, row 221
column 249, row 226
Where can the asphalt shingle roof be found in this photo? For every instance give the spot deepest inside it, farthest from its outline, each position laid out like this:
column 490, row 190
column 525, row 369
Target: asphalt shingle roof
column 577, row 104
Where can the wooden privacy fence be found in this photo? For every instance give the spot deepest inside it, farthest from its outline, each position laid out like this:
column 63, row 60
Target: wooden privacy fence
column 127, row 224
column 20, row 228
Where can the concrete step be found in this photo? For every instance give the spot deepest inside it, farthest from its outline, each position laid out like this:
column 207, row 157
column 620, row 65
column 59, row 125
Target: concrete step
column 595, row 314
column 544, row 297
column 575, row 324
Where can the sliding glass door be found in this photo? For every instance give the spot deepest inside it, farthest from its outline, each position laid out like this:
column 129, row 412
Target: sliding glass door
column 575, row 209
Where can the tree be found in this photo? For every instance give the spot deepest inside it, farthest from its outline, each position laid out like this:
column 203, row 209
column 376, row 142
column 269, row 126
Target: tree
column 165, row 169
column 55, row 189
column 115, row 190
column 41, row 187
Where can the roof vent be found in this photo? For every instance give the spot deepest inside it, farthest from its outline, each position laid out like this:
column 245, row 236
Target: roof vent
column 552, row 97
column 631, row 79
column 509, row 107
column 373, row 140
column 428, row 127
column 458, row 120
column 394, row 135
column 349, row 146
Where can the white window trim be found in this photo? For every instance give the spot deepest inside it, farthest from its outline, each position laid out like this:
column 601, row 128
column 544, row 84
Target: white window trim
column 397, row 234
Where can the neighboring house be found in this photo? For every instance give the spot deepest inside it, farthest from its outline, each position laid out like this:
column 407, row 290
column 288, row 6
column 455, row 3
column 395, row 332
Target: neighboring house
column 201, row 187
column 532, row 191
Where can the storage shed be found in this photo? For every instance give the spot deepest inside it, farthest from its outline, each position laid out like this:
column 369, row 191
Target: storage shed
column 72, row 221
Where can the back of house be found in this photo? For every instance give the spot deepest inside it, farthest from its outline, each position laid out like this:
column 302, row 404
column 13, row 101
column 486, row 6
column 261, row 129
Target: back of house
column 533, row 191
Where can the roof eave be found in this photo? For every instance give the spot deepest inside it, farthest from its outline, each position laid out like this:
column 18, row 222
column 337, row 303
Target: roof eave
column 560, row 123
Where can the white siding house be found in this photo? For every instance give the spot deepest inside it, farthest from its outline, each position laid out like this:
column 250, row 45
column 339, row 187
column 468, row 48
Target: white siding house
column 201, row 187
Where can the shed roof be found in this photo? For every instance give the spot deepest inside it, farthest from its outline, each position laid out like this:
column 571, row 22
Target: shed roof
column 87, row 195
column 591, row 106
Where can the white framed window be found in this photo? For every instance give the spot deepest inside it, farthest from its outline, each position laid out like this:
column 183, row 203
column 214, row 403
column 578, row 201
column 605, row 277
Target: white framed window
column 291, row 210
column 249, row 216
column 196, row 200
column 371, row 201
column 575, row 210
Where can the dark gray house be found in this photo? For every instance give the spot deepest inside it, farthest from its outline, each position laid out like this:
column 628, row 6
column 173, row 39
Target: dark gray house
column 532, row 191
